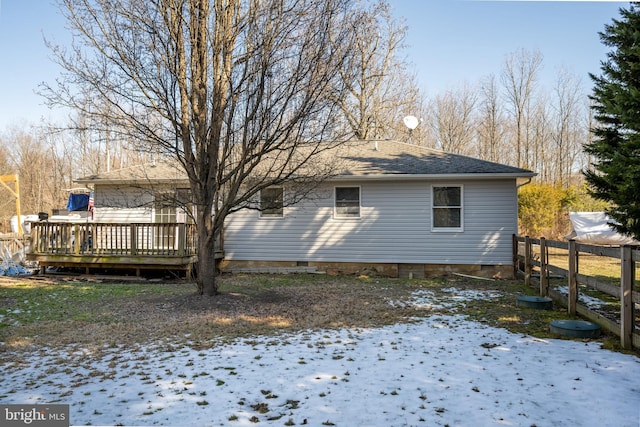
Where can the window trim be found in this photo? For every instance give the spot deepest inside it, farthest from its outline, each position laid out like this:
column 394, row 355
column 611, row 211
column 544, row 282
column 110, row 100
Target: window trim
column 264, row 215
column 436, row 229
column 336, row 215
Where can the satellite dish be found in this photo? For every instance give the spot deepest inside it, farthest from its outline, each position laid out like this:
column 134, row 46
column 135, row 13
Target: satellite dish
column 411, row 122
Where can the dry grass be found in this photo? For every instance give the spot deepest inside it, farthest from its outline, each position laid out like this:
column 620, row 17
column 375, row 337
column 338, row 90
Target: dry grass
column 60, row 313
column 49, row 313
column 603, row 268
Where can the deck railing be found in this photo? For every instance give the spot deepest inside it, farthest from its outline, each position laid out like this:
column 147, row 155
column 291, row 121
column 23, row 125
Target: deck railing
column 148, row 239
column 13, row 242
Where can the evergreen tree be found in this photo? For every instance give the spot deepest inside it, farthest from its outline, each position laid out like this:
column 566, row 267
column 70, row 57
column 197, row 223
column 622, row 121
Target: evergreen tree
column 615, row 173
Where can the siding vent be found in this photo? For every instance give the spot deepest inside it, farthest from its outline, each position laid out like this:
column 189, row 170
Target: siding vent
column 413, row 271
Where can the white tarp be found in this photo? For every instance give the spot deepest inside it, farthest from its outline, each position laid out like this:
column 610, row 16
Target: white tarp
column 593, row 228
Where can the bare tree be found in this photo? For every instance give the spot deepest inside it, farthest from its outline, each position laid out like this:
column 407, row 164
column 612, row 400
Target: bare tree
column 5, row 147
column 234, row 91
column 538, row 131
column 29, row 156
column 380, row 91
column 518, row 78
column 491, row 121
column 7, row 202
column 453, row 121
column 99, row 147
column 566, row 135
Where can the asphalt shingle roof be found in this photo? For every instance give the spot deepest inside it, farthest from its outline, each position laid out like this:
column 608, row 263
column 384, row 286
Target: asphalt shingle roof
column 354, row 158
column 155, row 172
column 394, row 157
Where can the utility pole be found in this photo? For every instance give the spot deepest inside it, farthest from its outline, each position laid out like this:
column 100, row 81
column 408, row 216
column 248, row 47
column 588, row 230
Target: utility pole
column 4, row 179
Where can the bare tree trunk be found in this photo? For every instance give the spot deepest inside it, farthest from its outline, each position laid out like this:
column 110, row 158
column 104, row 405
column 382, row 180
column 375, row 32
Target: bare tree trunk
column 206, row 269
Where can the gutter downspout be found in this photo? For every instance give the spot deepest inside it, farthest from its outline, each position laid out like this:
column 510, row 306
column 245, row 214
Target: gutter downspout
column 524, row 183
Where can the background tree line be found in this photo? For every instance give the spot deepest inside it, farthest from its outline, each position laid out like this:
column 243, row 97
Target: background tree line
column 507, row 117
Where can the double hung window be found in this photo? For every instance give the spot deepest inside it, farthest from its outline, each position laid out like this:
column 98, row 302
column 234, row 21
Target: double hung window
column 347, row 202
column 272, row 202
column 446, row 208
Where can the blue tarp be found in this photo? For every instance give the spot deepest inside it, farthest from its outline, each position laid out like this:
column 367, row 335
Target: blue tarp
column 78, row 202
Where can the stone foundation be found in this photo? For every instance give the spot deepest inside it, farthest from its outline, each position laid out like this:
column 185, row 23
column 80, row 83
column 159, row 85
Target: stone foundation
column 416, row 271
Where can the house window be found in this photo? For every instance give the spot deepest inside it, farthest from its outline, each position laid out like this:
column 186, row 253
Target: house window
column 165, row 215
column 165, row 208
column 271, row 202
column 447, row 208
column 185, row 202
column 347, row 202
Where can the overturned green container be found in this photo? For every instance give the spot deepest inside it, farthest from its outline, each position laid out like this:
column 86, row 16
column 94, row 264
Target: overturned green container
column 575, row 328
column 541, row 303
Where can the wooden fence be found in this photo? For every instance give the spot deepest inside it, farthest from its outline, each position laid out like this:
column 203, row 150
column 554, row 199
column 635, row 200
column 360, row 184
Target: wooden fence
column 13, row 242
column 530, row 253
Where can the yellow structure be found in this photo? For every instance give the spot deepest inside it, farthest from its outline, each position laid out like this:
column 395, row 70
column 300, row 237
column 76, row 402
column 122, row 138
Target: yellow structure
column 4, row 180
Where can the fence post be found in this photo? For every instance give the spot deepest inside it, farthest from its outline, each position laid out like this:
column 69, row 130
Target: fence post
column 527, row 261
column 573, row 279
column 544, row 282
column 514, row 254
column 627, row 266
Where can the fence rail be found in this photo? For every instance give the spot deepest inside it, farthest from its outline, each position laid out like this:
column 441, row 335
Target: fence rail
column 526, row 255
column 13, row 242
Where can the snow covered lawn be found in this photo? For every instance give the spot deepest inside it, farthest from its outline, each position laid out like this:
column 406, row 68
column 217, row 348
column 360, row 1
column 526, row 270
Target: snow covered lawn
column 439, row 371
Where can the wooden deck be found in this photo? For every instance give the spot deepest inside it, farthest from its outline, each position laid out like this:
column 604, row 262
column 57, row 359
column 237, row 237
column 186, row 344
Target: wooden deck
column 113, row 245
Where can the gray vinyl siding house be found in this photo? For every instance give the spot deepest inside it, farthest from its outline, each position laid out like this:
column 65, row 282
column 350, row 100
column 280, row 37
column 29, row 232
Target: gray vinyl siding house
column 393, row 209
column 396, row 230
column 394, row 227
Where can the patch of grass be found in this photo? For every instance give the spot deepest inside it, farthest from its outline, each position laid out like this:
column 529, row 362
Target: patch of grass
column 26, row 302
column 502, row 311
column 603, row 268
column 261, row 408
column 92, row 314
